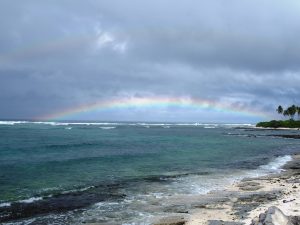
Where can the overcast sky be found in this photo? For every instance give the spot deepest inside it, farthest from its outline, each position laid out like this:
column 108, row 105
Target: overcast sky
column 58, row 54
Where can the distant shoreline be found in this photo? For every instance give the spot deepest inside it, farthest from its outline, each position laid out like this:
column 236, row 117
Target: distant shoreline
column 280, row 124
column 277, row 128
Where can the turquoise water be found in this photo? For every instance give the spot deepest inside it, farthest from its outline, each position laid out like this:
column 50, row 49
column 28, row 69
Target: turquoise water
column 90, row 166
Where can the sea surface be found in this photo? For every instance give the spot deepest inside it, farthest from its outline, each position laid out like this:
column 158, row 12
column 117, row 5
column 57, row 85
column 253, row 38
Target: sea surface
column 124, row 173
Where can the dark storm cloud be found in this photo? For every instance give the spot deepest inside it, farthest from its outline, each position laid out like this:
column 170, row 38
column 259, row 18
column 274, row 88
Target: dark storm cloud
column 59, row 54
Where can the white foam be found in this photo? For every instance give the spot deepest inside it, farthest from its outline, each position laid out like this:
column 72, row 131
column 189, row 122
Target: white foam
column 68, row 128
column 23, row 222
column 7, row 123
column 272, row 167
column 52, row 123
column 202, row 184
column 12, row 122
column 275, row 165
column 77, row 190
column 93, row 123
column 30, row 200
column 223, row 125
column 158, row 195
column 185, row 124
column 239, row 124
column 107, row 128
column 154, row 124
column 105, row 204
column 5, row 204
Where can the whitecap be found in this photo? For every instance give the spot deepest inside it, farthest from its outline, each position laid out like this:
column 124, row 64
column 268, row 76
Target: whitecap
column 107, row 128
column 5, row 204
column 276, row 164
column 30, row 200
column 57, row 123
column 12, row 122
column 77, row 190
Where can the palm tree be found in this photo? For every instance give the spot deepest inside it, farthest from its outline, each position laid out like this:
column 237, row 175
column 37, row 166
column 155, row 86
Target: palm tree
column 280, row 109
column 286, row 113
column 298, row 112
column 292, row 111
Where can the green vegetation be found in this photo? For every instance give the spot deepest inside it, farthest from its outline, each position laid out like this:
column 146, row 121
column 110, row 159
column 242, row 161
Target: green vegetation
column 290, row 112
column 280, row 123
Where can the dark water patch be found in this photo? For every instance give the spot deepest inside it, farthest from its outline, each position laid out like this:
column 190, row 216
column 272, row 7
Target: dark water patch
column 243, row 135
column 291, row 136
column 263, row 135
column 70, row 145
column 170, row 178
column 249, row 163
column 60, row 202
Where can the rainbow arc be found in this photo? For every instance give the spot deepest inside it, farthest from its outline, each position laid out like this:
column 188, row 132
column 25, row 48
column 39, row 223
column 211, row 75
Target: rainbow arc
column 152, row 103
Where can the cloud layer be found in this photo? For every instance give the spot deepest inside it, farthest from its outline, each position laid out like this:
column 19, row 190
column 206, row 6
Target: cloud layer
column 60, row 54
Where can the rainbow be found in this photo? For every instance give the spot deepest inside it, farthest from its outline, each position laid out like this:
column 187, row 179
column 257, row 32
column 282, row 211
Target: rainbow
column 153, row 103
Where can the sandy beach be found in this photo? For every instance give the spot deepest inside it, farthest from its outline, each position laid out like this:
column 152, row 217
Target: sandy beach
column 242, row 201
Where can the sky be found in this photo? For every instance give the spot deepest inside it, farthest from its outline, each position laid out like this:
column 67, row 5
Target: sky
column 59, row 55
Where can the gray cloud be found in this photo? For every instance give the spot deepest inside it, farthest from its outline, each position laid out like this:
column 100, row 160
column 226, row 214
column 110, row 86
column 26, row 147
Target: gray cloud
column 60, row 54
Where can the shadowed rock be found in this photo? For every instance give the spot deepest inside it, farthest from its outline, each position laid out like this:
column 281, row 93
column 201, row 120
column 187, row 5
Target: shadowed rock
column 250, row 186
column 221, row 222
column 172, row 220
column 274, row 216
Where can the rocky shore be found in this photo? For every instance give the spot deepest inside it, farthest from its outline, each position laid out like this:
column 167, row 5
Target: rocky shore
column 273, row 199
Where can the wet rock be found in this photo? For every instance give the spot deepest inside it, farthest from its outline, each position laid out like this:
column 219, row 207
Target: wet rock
column 291, row 136
column 250, row 186
column 262, row 217
column 176, row 209
column 221, row 222
column 248, row 202
column 293, row 181
column 274, row 216
column 174, row 220
column 293, row 165
column 295, row 220
column 200, row 206
column 286, row 201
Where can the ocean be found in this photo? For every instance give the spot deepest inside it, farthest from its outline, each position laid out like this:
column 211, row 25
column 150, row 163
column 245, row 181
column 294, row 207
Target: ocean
column 125, row 173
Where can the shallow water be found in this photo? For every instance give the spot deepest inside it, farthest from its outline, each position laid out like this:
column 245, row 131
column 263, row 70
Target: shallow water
column 123, row 172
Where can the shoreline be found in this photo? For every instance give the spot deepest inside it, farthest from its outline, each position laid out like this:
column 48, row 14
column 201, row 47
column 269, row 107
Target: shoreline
column 242, row 201
column 276, row 128
column 235, row 204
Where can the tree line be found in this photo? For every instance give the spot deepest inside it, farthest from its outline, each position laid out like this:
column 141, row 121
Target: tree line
column 291, row 111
